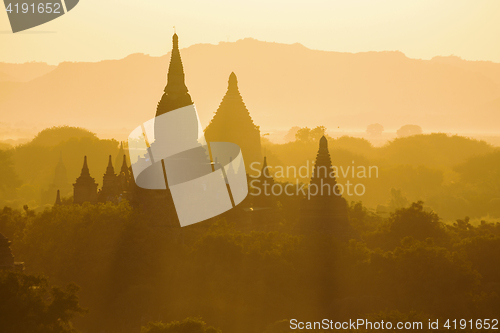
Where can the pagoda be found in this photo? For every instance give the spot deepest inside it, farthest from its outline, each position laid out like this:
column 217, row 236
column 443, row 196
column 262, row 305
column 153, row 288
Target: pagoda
column 175, row 94
column 110, row 188
column 85, row 188
column 60, row 182
column 324, row 210
column 232, row 123
column 264, row 184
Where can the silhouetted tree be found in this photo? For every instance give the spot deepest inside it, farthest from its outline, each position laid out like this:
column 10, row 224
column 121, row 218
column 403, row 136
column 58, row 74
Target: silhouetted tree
column 409, row 130
column 375, row 129
column 290, row 135
column 188, row 325
column 28, row 305
column 306, row 134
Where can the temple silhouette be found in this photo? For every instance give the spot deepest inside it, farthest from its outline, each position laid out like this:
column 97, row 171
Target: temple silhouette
column 325, row 212
column 232, row 123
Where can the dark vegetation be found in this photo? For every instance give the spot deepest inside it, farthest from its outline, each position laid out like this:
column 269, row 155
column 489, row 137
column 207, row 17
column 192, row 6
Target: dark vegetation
column 401, row 263
column 133, row 270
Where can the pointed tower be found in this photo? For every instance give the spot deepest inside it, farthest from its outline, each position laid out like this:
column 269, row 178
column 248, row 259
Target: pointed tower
column 232, row 123
column 58, row 198
column 124, row 176
column 109, row 184
column 85, row 188
column 264, row 183
column 60, row 174
column 175, row 93
column 326, row 210
column 119, row 157
column 60, row 182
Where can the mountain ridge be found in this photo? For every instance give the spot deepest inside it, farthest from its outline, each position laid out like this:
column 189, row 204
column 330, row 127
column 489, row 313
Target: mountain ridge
column 283, row 85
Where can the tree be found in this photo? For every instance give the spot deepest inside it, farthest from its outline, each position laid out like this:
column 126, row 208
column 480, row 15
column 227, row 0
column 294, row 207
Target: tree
column 307, row 135
column 28, row 305
column 9, row 180
column 290, row 136
column 55, row 135
column 375, row 129
column 409, row 130
column 188, row 325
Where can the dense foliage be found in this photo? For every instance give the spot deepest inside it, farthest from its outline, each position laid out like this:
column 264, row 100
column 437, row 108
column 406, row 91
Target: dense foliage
column 133, row 270
column 28, row 305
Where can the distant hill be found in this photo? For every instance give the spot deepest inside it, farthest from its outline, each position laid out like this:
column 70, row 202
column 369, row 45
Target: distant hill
column 282, row 85
column 23, row 72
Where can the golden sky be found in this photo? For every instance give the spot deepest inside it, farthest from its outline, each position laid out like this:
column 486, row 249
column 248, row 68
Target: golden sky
column 112, row 29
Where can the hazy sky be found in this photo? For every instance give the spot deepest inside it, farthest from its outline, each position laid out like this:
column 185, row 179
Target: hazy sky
column 111, row 29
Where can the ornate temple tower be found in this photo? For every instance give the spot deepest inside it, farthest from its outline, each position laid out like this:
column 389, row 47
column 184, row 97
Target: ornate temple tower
column 60, row 182
column 326, row 211
column 58, row 198
column 124, row 177
column 85, row 188
column 120, row 154
column 232, row 123
column 264, row 183
column 110, row 188
column 175, row 93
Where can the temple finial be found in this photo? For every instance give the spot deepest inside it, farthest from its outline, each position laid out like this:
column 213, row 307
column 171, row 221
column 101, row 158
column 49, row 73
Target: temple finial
column 85, row 168
column 124, row 168
column 232, row 82
column 58, row 198
column 110, row 170
column 323, row 142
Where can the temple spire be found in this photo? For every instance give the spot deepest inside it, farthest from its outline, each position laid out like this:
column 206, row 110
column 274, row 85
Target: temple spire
column 232, row 123
column 232, row 84
column 85, row 187
column 124, row 168
column 176, row 93
column 325, row 210
column 110, row 170
column 58, row 198
column 85, row 168
column 121, row 152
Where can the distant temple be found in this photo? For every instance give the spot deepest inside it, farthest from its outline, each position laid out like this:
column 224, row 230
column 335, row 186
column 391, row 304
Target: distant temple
column 7, row 258
column 85, row 188
column 60, row 183
column 175, row 93
column 232, row 123
column 264, row 184
column 326, row 211
column 110, row 188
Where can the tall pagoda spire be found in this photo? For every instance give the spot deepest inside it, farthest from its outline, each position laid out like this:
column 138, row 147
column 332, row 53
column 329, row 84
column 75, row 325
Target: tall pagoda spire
column 324, row 209
column 175, row 93
column 121, row 152
column 85, row 188
column 85, row 169
column 109, row 169
column 59, row 182
column 265, row 182
column 232, row 123
column 58, row 198
column 60, row 174
column 124, row 168
column 109, row 184
column 323, row 170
